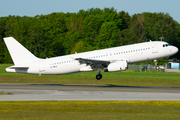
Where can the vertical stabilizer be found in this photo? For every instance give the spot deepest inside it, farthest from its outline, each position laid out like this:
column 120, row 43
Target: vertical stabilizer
column 19, row 53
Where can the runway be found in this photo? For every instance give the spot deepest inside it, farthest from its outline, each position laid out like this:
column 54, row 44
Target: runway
column 59, row 92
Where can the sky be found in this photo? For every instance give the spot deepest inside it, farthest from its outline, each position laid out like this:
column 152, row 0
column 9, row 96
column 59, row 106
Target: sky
column 37, row 7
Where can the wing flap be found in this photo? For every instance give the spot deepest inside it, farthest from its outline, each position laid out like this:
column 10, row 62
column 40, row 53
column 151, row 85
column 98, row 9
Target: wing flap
column 91, row 61
column 94, row 64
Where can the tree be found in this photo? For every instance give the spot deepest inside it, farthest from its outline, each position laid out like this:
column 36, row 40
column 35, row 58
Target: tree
column 2, row 30
column 91, row 27
column 107, row 35
column 125, row 37
column 79, row 47
column 125, row 17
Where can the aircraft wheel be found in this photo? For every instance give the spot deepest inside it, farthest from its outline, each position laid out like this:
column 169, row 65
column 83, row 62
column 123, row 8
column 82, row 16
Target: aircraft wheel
column 98, row 76
column 157, row 67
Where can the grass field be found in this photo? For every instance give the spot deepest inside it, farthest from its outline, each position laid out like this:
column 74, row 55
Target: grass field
column 124, row 78
column 90, row 110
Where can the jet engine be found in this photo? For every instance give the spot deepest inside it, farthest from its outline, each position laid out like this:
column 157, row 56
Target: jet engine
column 117, row 66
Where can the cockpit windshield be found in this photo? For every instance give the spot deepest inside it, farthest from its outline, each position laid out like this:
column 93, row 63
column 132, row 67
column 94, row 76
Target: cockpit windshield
column 166, row 45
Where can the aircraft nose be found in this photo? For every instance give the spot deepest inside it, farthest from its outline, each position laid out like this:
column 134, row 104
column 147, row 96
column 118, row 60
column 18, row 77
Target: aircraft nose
column 175, row 50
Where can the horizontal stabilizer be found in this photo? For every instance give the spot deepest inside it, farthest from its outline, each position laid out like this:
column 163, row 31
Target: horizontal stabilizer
column 18, row 67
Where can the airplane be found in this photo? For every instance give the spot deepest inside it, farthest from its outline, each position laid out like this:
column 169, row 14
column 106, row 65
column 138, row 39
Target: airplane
column 109, row 60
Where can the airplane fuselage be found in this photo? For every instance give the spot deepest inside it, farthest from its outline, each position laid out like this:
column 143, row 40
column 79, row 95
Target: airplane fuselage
column 68, row 64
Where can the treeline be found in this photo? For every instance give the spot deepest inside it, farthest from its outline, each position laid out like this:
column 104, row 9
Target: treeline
column 66, row 33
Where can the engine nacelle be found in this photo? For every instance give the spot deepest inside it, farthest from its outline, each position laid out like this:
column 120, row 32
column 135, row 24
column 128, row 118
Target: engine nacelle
column 117, row 66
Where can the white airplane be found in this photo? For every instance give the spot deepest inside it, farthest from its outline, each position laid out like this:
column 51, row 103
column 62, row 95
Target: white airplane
column 109, row 60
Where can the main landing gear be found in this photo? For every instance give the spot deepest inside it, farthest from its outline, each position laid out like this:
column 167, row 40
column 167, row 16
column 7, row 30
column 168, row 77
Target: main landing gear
column 99, row 75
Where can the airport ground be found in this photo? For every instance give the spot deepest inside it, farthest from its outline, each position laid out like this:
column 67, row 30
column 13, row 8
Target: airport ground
column 140, row 84
column 124, row 78
column 88, row 110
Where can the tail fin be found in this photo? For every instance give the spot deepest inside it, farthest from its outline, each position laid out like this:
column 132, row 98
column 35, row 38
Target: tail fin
column 19, row 53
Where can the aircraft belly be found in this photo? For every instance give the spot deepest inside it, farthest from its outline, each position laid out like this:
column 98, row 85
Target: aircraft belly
column 62, row 69
column 68, row 69
column 33, row 70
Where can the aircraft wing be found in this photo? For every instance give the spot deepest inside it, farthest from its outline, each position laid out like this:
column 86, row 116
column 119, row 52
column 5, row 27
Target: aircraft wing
column 93, row 63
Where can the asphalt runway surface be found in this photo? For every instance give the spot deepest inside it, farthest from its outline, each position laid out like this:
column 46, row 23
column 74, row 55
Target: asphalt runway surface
column 58, row 92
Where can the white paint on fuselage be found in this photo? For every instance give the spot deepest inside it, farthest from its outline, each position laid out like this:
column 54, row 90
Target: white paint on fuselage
column 132, row 53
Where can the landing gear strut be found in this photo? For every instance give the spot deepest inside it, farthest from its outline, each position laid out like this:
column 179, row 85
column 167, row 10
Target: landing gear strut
column 99, row 75
column 157, row 67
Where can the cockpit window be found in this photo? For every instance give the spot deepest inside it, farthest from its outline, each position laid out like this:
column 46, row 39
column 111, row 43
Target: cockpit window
column 165, row 45
column 169, row 45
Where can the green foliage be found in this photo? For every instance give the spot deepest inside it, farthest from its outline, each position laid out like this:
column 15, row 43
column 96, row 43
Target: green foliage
column 125, row 37
column 58, row 34
column 107, row 35
column 79, row 47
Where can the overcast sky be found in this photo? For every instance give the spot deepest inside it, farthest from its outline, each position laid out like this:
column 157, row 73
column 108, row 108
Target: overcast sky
column 38, row 7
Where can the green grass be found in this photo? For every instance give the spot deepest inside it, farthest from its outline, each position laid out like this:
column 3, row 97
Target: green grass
column 90, row 110
column 124, row 78
column 4, row 93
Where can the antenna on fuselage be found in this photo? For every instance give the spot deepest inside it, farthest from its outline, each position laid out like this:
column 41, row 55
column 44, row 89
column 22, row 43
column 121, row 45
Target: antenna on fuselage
column 161, row 38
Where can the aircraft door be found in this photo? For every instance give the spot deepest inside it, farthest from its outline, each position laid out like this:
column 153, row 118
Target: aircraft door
column 41, row 66
column 154, row 48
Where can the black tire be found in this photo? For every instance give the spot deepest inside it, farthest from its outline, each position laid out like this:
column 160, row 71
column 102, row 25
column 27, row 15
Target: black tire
column 98, row 77
column 157, row 68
